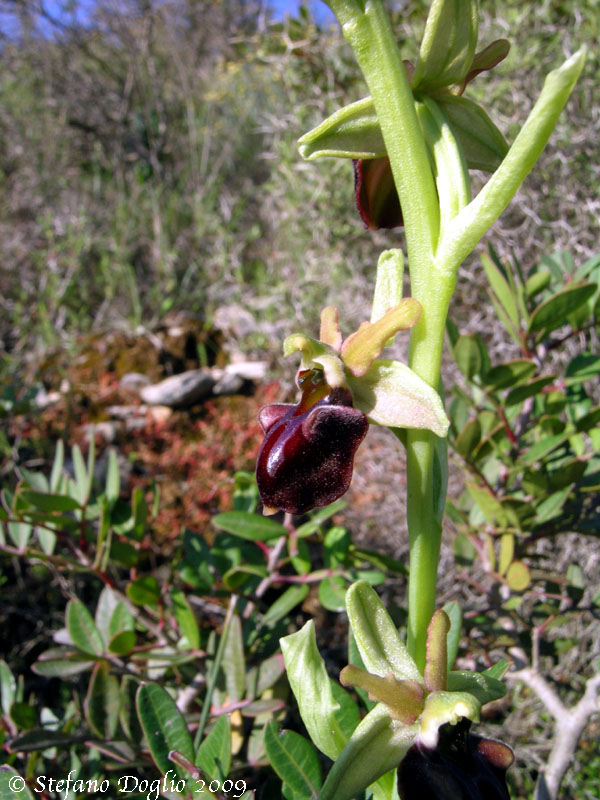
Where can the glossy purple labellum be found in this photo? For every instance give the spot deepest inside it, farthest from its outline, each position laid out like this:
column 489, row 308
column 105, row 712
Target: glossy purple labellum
column 307, row 455
column 461, row 767
column 375, row 194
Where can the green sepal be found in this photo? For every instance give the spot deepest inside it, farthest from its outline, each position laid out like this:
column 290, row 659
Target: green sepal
column 392, row 395
column 310, row 684
column 377, row 745
column 443, row 707
column 481, row 141
column 379, row 643
column 350, row 132
column 448, row 44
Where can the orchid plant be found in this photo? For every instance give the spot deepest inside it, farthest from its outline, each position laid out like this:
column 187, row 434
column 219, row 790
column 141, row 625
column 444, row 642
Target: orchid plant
column 413, row 141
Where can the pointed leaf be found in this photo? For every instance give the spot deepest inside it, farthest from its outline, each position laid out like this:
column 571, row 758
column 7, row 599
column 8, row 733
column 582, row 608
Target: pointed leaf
column 482, row 686
column 101, row 705
column 553, row 312
column 253, row 527
column 186, row 619
column 82, row 628
column 234, row 661
column 285, row 603
column 214, row 754
column 310, row 684
column 113, row 478
column 295, row 761
column 163, row 725
column 12, row 785
column 392, row 395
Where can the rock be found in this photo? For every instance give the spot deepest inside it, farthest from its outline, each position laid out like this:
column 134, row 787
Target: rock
column 248, row 370
column 229, row 383
column 107, row 430
column 235, row 321
column 180, row 391
column 133, row 381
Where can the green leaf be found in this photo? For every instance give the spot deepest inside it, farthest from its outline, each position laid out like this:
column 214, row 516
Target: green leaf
column 12, row 785
column 348, row 714
column 498, row 670
column 163, row 725
column 61, row 663
column 234, row 661
column 243, row 578
column 122, row 643
column 82, row 628
column 113, row 478
column 583, row 367
column 310, row 684
column 253, row 527
column 101, row 705
column 541, row 449
column 144, row 591
column 454, row 614
column 378, row 641
column 470, row 355
column 23, row 715
column 20, row 533
column 501, row 289
column 537, row 282
column 8, row 686
column 49, row 502
column 81, row 475
column 531, row 389
column 57, row 466
column 468, row 439
column 294, row 760
column 332, row 593
column 507, row 551
column 285, row 603
column 504, row 376
column 481, row 685
column 518, row 576
column 140, row 513
column 127, row 713
column 553, row 312
column 42, row 739
column 214, row 754
column 121, row 620
column 186, row 619
column 489, row 505
column 551, row 506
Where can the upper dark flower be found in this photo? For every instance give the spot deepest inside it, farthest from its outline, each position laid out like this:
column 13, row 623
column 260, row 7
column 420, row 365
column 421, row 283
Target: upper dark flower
column 307, row 456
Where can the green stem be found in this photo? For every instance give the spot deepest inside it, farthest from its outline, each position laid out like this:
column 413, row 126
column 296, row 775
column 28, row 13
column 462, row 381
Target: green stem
column 212, row 681
column 371, row 37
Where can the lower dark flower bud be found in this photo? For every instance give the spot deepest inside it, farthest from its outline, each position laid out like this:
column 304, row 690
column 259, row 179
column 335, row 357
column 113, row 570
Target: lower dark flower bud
column 307, row 456
column 462, row 767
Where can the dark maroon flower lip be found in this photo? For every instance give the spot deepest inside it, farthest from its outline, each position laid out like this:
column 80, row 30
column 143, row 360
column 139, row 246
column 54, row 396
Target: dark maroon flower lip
column 307, row 456
column 462, row 767
column 375, row 194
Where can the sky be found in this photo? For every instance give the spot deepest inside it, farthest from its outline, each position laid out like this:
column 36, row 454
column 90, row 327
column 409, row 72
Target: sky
column 320, row 11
